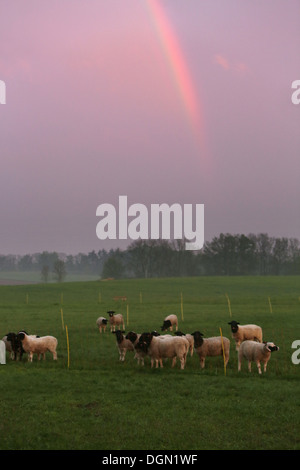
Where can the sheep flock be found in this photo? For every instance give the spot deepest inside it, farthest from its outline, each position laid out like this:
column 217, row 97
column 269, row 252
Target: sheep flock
column 158, row 347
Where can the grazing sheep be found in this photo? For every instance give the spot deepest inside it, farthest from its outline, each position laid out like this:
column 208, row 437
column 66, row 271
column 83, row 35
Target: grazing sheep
column 115, row 320
column 159, row 348
column 256, row 352
column 123, row 344
column 245, row 332
column 210, row 347
column 169, row 322
column 134, row 337
column 38, row 345
column 101, row 323
column 190, row 339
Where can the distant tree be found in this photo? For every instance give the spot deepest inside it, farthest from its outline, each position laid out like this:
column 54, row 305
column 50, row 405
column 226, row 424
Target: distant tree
column 59, row 270
column 114, row 266
column 26, row 263
column 45, row 273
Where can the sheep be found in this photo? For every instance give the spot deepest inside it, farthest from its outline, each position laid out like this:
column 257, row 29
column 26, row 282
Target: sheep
column 38, row 345
column 210, row 347
column 101, row 324
column 256, row 352
column 159, row 348
column 123, row 344
column 134, row 337
column 169, row 322
column 115, row 320
column 245, row 332
column 13, row 345
column 190, row 339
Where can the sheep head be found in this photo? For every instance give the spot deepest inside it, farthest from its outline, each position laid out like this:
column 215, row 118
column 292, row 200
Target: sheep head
column 198, row 340
column 234, row 326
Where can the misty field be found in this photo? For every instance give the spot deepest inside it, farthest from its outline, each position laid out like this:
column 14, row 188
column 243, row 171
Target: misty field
column 88, row 399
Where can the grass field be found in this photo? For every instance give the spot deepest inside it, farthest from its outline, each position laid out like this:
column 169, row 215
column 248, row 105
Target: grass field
column 88, row 399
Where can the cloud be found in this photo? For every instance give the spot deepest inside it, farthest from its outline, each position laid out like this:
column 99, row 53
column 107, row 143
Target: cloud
column 222, row 61
column 239, row 67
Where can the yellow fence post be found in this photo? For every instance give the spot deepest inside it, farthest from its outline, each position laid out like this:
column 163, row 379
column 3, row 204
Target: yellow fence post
column 181, row 304
column 270, row 305
column 68, row 346
column 229, row 306
column 223, row 351
column 62, row 318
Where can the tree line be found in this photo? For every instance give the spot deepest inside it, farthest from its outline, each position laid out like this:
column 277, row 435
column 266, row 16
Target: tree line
column 224, row 255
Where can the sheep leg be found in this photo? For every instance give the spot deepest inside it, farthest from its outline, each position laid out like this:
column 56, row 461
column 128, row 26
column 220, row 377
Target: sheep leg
column 202, row 362
column 249, row 366
column 258, row 366
column 182, row 363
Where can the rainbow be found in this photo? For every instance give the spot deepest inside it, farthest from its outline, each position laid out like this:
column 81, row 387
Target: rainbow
column 179, row 69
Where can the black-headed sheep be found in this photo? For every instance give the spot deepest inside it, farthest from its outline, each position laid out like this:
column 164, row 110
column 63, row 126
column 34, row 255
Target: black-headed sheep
column 123, row 344
column 115, row 320
column 38, row 345
column 134, row 338
column 256, row 352
column 242, row 333
column 210, row 347
column 159, row 348
column 169, row 322
column 101, row 323
column 13, row 345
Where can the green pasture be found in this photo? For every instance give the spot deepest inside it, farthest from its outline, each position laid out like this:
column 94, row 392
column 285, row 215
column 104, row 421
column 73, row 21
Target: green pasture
column 88, row 399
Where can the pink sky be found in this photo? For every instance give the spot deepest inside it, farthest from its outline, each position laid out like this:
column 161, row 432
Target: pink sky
column 93, row 111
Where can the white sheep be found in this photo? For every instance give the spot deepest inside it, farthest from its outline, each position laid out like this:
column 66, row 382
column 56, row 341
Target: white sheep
column 38, row 345
column 190, row 339
column 101, row 324
column 123, row 344
column 169, row 322
column 212, row 346
column 158, row 348
column 115, row 320
column 242, row 333
column 256, row 352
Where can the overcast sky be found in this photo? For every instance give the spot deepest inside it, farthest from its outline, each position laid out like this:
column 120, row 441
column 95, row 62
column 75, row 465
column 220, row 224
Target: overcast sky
column 165, row 101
